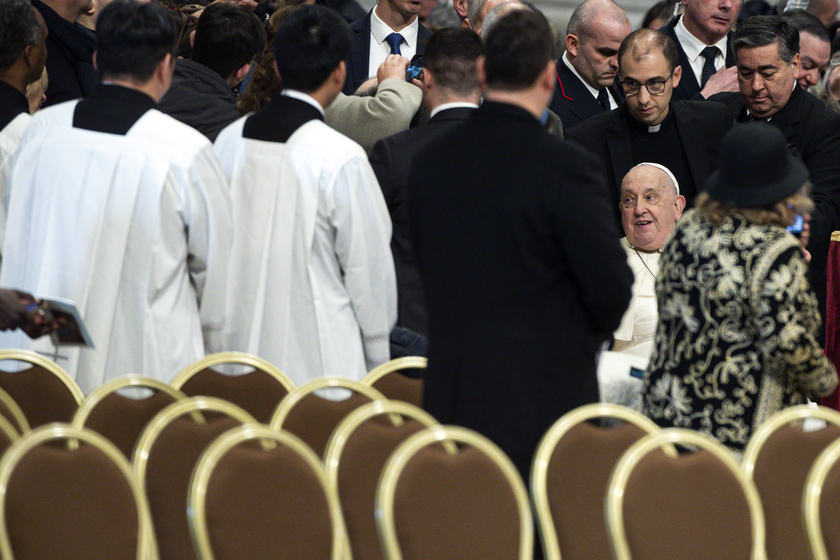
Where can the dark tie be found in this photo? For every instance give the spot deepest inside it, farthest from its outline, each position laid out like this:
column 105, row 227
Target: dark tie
column 394, row 40
column 604, row 99
column 710, row 54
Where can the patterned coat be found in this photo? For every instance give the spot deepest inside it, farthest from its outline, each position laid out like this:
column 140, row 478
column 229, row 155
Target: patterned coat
column 737, row 325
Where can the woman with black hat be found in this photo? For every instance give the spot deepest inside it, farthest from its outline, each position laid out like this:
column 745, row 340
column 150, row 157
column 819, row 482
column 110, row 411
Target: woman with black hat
column 736, row 340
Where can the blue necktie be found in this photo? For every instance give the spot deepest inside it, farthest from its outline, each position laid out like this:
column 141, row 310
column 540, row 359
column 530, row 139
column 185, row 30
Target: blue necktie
column 394, row 40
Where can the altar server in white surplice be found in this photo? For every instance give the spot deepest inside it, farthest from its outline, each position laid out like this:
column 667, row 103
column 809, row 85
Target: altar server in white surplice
column 123, row 210
column 311, row 279
column 23, row 52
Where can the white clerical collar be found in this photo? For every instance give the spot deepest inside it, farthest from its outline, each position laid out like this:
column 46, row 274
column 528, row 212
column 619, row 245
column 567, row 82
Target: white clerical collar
column 299, row 95
column 453, row 105
column 693, row 46
column 591, row 89
column 655, row 128
column 379, row 29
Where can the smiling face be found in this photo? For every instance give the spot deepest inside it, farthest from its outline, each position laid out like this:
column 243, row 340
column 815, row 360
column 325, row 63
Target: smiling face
column 814, row 54
column 653, row 67
column 766, row 81
column 596, row 54
column 649, row 207
column 710, row 20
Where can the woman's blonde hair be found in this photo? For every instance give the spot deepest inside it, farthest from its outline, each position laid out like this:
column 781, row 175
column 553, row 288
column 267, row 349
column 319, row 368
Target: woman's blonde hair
column 780, row 213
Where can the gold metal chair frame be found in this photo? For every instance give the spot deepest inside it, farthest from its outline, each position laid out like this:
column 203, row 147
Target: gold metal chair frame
column 782, row 418
column 395, row 410
column 671, row 436
column 545, row 449
column 38, row 360
column 97, row 395
column 285, row 406
column 385, row 523
column 227, row 441
column 409, row 362
column 18, row 417
column 146, row 547
column 813, row 494
column 239, row 358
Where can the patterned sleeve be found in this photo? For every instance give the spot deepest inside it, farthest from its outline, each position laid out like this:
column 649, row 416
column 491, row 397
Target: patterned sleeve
column 788, row 319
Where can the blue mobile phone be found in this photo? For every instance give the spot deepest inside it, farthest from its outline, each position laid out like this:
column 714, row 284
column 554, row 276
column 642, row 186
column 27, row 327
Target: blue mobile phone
column 798, row 224
column 415, row 68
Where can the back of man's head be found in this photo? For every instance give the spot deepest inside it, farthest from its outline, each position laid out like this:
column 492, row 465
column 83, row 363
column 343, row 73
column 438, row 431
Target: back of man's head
column 517, row 50
column 132, row 38
column 498, row 13
column 450, row 55
column 227, row 37
column 646, row 42
column 19, row 28
column 308, row 46
column 759, row 31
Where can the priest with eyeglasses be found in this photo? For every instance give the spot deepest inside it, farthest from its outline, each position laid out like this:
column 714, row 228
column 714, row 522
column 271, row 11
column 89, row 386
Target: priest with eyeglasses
column 681, row 135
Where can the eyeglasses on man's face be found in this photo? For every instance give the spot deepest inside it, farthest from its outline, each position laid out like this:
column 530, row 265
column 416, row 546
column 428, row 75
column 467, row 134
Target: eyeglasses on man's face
column 654, row 87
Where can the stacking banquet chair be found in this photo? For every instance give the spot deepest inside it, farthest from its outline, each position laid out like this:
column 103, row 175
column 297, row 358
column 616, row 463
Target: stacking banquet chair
column 570, row 475
column 257, row 392
column 120, row 418
column 78, row 499
column 778, row 459
column 390, row 380
column 464, row 502
column 695, row 506
column 164, row 460
column 356, row 454
column 821, row 504
column 10, row 410
column 8, row 434
column 260, row 494
column 312, row 417
column 44, row 392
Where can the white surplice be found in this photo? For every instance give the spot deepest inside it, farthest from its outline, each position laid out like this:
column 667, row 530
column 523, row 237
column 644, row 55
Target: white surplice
column 135, row 229
column 10, row 138
column 312, row 286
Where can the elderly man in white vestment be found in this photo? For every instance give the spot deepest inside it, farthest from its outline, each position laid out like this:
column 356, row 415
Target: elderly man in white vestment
column 312, row 286
column 23, row 51
column 123, row 210
column 650, row 206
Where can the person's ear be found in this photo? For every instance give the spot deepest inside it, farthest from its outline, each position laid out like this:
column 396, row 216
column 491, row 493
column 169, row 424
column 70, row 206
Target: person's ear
column 240, row 74
column 192, row 38
column 428, row 80
column 461, row 7
column 482, row 73
column 679, row 204
column 677, row 76
column 572, row 44
column 276, row 70
column 795, row 64
column 95, row 66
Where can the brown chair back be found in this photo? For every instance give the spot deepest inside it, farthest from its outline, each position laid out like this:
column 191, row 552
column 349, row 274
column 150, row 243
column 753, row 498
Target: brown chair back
column 44, row 391
column 165, row 458
column 390, row 380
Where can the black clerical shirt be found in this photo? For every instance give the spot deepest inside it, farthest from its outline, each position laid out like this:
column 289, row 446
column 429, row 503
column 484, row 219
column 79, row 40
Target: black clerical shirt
column 12, row 104
column 112, row 109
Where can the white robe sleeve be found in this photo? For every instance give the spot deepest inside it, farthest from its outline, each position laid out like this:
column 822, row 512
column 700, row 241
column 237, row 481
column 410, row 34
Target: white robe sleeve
column 362, row 245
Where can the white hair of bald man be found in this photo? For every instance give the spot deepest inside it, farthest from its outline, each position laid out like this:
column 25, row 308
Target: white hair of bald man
column 663, row 169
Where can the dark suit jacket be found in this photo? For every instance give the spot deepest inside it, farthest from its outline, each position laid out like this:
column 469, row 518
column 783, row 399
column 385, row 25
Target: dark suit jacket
column 359, row 58
column 701, row 126
column 689, row 87
column 391, row 159
column 572, row 101
column 523, row 272
column 814, row 131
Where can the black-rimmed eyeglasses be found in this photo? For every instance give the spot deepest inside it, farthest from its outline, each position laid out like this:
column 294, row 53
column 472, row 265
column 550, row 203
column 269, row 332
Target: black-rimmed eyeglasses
column 654, row 87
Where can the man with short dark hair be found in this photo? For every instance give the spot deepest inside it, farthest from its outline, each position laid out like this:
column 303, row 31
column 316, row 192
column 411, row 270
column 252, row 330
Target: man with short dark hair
column 227, row 37
column 768, row 61
column 311, row 286
column 681, row 135
column 814, row 46
column 587, row 70
column 703, row 37
column 23, row 50
column 451, row 93
column 122, row 210
column 518, row 306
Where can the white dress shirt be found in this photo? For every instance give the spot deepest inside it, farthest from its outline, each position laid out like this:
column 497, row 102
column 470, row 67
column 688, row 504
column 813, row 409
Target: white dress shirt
column 379, row 49
column 693, row 48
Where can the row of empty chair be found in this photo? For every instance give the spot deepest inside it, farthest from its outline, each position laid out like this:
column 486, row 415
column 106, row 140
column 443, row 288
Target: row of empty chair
column 218, row 483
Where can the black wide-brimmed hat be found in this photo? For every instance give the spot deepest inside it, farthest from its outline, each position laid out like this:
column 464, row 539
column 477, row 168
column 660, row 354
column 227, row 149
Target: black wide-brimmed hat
column 755, row 168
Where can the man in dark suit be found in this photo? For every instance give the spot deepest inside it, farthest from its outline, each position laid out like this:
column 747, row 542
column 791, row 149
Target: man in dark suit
column 704, row 50
column 586, row 72
column 767, row 59
column 391, row 27
column 684, row 136
column 451, row 93
column 521, row 264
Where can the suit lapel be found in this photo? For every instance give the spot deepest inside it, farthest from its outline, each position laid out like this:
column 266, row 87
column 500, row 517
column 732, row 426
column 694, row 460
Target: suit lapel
column 360, row 51
column 688, row 83
column 582, row 104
